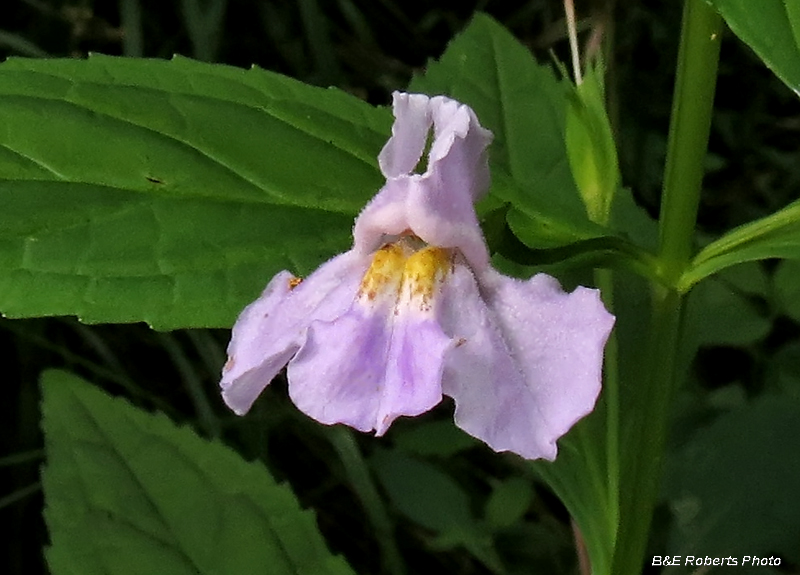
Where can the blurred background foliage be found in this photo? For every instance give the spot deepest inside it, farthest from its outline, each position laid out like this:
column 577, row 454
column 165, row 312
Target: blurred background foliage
column 458, row 508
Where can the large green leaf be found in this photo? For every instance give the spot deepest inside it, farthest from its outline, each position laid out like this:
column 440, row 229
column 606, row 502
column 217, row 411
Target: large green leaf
column 127, row 492
column 772, row 29
column 733, row 487
column 171, row 191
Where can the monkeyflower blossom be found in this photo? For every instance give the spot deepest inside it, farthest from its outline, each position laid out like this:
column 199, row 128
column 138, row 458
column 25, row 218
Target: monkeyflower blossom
column 414, row 310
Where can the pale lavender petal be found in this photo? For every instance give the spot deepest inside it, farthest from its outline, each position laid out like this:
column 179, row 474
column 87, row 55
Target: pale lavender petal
column 367, row 368
column 443, row 216
column 414, row 375
column 529, row 361
column 401, row 154
column 557, row 337
column 492, row 399
column 458, row 153
column 437, row 206
column 271, row 329
column 384, row 217
column 337, row 376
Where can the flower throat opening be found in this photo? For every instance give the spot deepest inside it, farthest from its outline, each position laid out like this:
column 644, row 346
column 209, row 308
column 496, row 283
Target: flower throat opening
column 406, row 271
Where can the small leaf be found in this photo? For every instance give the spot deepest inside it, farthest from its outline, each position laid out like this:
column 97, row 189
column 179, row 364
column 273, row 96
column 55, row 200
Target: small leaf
column 591, row 148
column 508, row 502
column 128, row 492
column 772, row 29
column 422, row 492
column 437, row 438
column 428, row 496
column 774, row 236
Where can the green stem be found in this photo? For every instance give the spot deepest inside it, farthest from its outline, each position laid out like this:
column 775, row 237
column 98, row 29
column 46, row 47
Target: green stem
column 130, row 12
column 361, row 480
column 690, row 124
column 643, row 445
column 645, row 428
column 605, row 281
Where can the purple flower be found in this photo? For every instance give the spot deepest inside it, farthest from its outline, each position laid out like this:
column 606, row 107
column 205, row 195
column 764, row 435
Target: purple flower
column 414, row 310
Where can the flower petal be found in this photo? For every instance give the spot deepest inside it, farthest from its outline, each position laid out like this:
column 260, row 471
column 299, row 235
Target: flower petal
column 369, row 367
column 271, row 329
column 530, row 362
column 558, row 337
column 437, row 206
column 401, row 154
column 413, row 380
column 458, row 154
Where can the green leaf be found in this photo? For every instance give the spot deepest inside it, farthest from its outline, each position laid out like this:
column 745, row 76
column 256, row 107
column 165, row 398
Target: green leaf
column 171, row 191
column 772, row 29
column 433, row 438
column 508, row 502
column 591, row 147
column 787, row 288
column 422, row 492
column 732, row 488
column 718, row 314
column 128, row 492
column 542, row 222
column 774, row 236
column 431, row 498
column 783, row 370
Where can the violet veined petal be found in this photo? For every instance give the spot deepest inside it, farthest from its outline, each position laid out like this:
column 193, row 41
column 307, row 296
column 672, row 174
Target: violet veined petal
column 368, row 367
column 413, row 380
column 271, row 329
column 520, row 380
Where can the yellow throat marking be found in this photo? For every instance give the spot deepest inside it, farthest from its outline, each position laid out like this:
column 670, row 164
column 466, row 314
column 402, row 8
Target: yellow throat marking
column 401, row 274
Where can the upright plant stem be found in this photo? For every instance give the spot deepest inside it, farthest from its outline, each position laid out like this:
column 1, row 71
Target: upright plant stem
column 130, row 12
column 644, row 449
column 688, row 139
column 360, row 478
column 690, row 124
